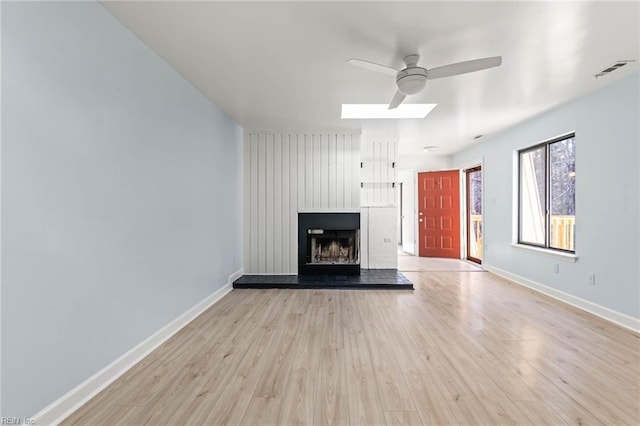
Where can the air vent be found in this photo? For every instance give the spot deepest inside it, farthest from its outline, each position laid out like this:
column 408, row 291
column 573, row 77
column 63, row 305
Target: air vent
column 616, row 65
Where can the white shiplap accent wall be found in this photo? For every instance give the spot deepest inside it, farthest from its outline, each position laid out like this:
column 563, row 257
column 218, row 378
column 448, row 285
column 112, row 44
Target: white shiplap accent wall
column 286, row 173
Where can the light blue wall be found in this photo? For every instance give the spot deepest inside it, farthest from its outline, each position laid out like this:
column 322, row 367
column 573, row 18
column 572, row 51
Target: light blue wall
column 121, row 197
column 607, row 192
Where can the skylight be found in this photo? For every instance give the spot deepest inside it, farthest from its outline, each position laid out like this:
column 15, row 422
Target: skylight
column 365, row 111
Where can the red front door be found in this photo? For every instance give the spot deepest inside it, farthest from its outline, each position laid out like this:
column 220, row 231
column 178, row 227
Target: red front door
column 439, row 214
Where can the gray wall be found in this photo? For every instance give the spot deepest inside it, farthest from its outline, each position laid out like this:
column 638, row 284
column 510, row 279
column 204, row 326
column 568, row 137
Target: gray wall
column 607, row 189
column 121, row 197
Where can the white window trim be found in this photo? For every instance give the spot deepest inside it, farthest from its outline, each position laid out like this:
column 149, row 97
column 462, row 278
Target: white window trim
column 567, row 257
column 515, row 200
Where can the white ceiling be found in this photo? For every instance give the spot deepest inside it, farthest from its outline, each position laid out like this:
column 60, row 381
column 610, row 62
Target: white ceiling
column 282, row 65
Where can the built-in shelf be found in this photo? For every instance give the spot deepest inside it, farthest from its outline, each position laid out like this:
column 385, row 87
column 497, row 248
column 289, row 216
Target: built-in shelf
column 393, row 184
column 393, row 163
column 378, row 173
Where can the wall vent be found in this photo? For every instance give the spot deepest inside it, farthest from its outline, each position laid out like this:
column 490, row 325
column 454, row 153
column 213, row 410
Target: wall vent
column 616, row 65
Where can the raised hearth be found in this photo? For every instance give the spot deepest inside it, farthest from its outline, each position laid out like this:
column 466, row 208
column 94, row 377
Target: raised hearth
column 369, row 279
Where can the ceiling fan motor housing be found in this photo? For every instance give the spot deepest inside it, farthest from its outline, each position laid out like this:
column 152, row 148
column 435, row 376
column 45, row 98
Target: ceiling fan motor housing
column 411, row 80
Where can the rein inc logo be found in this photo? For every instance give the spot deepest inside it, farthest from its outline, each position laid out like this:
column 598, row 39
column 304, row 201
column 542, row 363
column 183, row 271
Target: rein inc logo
column 17, row 421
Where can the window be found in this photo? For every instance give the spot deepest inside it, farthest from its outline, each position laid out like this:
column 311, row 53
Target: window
column 547, row 188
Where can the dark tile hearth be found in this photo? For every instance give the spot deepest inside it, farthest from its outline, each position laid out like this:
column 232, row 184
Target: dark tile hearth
column 369, row 279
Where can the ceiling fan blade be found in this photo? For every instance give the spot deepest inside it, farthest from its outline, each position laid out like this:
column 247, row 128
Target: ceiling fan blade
column 397, row 100
column 372, row 66
column 464, row 67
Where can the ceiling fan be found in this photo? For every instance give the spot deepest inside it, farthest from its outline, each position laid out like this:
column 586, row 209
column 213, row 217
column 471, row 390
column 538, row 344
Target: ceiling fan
column 412, row 78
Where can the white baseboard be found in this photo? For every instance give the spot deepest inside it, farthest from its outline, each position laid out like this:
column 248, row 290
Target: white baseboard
column 610, row 315
column 67, row 404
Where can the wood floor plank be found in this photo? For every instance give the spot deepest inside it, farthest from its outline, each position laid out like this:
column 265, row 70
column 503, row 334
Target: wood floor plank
column 365, row 406
column 227, row 402
column 401, row 418
column 431, row 403
column 299, row 398
column 262, row 411
column 332, row 328
column 564, row 406
column 272, row 383
column 308, row 354
column 462, row 348
column 331, row 396
column 539, row 413
column 392, row 388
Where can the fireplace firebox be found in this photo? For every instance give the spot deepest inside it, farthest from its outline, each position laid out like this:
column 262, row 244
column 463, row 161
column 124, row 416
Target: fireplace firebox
column 329, row 243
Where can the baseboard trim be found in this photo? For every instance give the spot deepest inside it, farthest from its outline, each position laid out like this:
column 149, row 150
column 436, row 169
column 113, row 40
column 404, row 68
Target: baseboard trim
column 67, row 404
column 603, row 312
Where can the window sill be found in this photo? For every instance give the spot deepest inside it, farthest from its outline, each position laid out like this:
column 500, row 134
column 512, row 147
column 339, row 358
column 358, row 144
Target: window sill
column 567, row 257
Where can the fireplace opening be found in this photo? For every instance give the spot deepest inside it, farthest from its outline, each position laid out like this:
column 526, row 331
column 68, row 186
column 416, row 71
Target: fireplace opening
column 329, row 243
column 333, row 247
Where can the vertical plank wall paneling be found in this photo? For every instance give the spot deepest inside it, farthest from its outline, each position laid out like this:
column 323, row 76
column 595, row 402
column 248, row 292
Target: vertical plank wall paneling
column 246, row 211
column 269, row 240
column 294, row 188
column 262, row 205
column 251, row 231
column 277, row 203
column 316, row 159
column 340, row 173
column 287, row 173
column 306, row 171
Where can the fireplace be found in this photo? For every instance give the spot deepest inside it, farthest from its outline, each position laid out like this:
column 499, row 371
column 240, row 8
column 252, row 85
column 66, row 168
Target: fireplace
column 329, row 243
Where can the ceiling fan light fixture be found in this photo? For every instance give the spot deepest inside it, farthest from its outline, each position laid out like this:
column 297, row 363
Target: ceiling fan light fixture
column 412, row 79
column 412, row 83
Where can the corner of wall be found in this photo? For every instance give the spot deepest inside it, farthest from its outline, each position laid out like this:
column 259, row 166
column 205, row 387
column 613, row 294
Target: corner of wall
column 1, row 127
column 70, row 402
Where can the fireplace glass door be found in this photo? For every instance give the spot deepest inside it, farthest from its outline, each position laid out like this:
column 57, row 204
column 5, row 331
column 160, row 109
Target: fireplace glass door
column 333, row 247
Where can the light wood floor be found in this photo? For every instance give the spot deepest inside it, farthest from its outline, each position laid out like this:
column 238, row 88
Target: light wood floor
column 411, row 263
column 463, row 348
